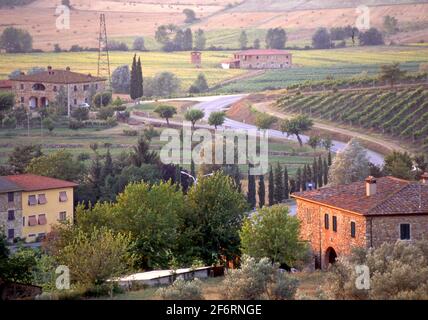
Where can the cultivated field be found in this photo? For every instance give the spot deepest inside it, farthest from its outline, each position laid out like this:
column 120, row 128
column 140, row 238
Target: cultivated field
column 152, row 62
column 142, row 17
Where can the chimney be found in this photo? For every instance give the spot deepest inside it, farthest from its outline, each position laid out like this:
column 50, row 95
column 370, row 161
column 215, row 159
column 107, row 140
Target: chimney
column 49, row 70
column 68, row 69
column 424, row 178
column 371, row 186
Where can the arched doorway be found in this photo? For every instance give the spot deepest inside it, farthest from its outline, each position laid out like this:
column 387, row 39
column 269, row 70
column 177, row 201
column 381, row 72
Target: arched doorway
column 330, row 256
column 34, row 102
column 44, row 102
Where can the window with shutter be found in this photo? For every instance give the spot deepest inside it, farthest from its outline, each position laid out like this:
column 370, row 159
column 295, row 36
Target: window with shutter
column 32, row 221
column 326, row 221
column 32, row 201
column 353, row 229
column 42, row 219
column 334, row 223
column 63, row 196
column 11, row 215
column 42, row 199
column 10, row 197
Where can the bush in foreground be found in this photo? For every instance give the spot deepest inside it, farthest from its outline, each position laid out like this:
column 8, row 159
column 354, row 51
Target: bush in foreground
column 182, row 290
column 258, row 280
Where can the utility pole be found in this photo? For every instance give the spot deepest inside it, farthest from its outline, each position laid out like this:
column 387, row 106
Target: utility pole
column 103, row 51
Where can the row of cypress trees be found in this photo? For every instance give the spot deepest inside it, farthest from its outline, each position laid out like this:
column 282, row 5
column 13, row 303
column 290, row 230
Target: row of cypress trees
column 281, row 186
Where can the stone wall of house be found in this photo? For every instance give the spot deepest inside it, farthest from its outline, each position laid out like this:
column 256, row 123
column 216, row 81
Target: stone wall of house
column 265, row 61
column 313, row 230
column 387, row 229
column 5, row 206
column 78, row 93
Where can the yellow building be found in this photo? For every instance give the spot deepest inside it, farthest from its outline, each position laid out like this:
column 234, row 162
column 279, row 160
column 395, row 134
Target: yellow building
column 45, row 201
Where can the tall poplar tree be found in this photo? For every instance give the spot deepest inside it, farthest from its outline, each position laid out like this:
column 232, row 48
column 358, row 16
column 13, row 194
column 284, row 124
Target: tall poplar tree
column 251, row 195
column 139, row 84
column 279, row 185
column 133, row 91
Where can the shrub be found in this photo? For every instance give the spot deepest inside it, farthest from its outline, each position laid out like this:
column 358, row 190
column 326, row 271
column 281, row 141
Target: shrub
column 258, row 280
column 9, row 122
column 105, row 113
column 80, row 114
column 182, row 290
column 130, row 133
column 75, row 124
column 111, row 122
column 48, row 124
column 102, row 99
column 397, row 271
column 83, row 156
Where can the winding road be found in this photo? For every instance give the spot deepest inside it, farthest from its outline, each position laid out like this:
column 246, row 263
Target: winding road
column 222, row 103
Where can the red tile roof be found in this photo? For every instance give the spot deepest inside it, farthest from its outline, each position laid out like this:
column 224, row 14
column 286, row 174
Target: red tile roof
column 261, row 52
column 393, row 196
column 31, row 182
column 59, row 76
column 6, row 84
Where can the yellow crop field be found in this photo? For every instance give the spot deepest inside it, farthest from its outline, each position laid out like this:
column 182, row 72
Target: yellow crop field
column 152, row 63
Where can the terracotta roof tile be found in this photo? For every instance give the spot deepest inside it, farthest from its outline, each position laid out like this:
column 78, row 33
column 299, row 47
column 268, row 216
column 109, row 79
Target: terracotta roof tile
column 59, row 76
column 6, row 84
column 393, row 196
column 30, row 182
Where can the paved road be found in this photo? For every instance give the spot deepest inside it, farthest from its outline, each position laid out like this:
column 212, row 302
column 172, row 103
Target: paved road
column 222, row 103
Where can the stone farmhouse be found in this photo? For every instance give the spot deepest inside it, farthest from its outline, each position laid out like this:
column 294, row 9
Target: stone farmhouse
column 38, row 89
column 260, row 59
column 362, row 214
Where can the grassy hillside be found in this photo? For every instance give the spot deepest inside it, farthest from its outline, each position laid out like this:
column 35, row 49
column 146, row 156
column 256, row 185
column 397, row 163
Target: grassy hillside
column 401, row 114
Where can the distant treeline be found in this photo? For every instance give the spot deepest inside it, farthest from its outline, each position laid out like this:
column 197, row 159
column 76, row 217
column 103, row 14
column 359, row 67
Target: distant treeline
column 10, row 3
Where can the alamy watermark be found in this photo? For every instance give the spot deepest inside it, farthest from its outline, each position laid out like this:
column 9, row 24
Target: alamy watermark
column 362, row 282
column 224, row 147
column 62, row 22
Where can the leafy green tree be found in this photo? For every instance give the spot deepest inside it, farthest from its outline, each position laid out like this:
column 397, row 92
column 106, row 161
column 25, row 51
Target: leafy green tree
column 276, row 38
column 264, row 121
column 190, row 16
column 321, row 39
column 7, row 101
column 314, row 141
column 139, row 44
column 399, row 165
column 200, row 85
column 262, row 191
column 200, row 40
column 59, row 165
column 271, row 187
column 296, row 126
column 243, row 40
column 121, row 79
column 102, row 99
column 256, row 44
column 194, row 115
column 350, row 165
column 274, row 234
column 22, row 156
column 15, row 40
column 80, row 114
column 96, row 256
column 251, row 195
column 216, row 119
column 166, row 112
column 214, row 218
column 166, row 84
column 390, row 24
column 372, row 37
column 18, row 266
column 391, row 73
column 327, row 143
column 48, row 124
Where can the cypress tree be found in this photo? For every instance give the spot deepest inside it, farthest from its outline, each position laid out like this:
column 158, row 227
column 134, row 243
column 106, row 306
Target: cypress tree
column 325, row 172
column 251, row 195
column 108, row 167
column 320, row 172
column 286, row 184
column 133, row 85
column 178, row 175
column 304, row 178
column 271, row 187
column 262, row 191
column 237, row 178
column 188, row 40
column 292, row 186
column 315, row 173
column 279, row 185
column 299, row 180
column 140, row 90
column 309, row 174
column 329, row 158
column 192, row 170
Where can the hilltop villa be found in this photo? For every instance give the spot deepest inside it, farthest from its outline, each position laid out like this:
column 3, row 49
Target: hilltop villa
column 260, row 59
column 37, row 90
column 362, row 214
